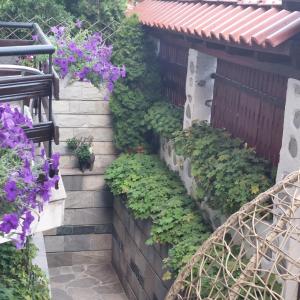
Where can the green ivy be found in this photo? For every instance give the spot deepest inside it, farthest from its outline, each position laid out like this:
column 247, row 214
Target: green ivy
column 164, row 118
column 134, row 94
column 20, row 279
column 153, row 192
column 226, row 171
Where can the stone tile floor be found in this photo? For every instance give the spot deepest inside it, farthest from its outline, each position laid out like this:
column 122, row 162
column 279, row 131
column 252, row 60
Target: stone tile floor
column 85, row 282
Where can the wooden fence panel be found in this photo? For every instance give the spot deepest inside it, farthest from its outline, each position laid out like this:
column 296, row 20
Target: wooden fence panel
column 250, row 105
column 174, row 60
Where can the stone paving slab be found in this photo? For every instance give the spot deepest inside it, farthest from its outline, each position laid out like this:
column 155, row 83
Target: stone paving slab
column 86, row 282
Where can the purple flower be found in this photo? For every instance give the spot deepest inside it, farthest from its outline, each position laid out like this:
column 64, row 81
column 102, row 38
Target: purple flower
column 55, row 160
column 11, row 190
column 9, row 222
column 35, row 37
column 78, row 23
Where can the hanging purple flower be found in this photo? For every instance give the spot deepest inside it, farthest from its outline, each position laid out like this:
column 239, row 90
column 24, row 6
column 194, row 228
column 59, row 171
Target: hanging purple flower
column 78, row 23
column 11, row 190
column 9, row 222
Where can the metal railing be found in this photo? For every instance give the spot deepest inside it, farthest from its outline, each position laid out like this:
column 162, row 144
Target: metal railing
column 31, row 87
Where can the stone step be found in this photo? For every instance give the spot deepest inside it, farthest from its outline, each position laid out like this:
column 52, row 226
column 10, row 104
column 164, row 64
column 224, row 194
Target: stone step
column 85, row 199
column 99, row 134
column 79, row 90
column 83, row 182
column 77, row 172
column 71, row 161
column 81, row 107
column 83, row 121
column 78, row 257
column 87, row 216
column 81, row 242
column 106, row 148
column 81, row 229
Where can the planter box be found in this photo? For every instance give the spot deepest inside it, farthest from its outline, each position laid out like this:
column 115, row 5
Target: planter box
column 139, row 266
column 52, row 216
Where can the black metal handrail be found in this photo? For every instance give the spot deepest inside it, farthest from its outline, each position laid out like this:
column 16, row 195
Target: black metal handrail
column 32, row 86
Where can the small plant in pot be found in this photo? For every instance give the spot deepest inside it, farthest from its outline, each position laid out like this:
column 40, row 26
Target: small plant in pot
column 83, row 150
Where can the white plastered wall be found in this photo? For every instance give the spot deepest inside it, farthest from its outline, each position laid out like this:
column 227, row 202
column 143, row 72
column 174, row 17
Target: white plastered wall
column 199, row 87
column 289, row 162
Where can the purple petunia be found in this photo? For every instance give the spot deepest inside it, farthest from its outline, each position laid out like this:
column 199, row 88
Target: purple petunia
column 9, row 222
column 11, row 190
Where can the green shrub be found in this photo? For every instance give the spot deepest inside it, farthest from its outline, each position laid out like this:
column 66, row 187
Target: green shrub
column 48, row 10
column 105, row 11
column 134, row 94
column 153, row 192
column 20, row 279
column 164, row 119
column 225, row 170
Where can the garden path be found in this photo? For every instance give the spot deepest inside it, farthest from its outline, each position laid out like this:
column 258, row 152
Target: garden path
column 79, row 252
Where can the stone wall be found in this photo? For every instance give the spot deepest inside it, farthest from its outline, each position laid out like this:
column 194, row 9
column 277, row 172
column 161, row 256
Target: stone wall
column 138, row 265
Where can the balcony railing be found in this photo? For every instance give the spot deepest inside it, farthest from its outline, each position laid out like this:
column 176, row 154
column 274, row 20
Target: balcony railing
column 32, row 87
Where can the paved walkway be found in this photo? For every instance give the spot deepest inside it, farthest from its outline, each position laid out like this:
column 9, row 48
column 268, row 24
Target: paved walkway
column 85, row 282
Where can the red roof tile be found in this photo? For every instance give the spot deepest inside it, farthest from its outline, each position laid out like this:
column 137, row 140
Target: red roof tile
column 236, row 23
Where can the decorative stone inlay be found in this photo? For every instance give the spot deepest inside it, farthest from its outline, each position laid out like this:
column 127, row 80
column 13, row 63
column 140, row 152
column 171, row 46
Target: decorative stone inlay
column 169, row 150
column 191, row 80
column 189, row 169
column 190, row 98
column 293, row 147
column 188, row 111
column 297, row 119
column 174, row 159
column 192, row 67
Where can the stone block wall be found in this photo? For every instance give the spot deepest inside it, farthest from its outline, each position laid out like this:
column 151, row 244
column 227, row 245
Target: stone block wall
column 138, row 265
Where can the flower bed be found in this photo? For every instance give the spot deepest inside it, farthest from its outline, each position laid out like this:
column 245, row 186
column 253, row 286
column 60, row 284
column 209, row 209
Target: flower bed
column 26, row 179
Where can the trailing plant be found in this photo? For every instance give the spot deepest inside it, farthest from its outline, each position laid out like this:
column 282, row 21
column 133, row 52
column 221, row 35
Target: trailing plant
column 26, row 179
column 20, row 278
column 227, row 172
column 135, row 94
column 85, row 56
column 153, row 192
column 83, row 150
column 164, row 118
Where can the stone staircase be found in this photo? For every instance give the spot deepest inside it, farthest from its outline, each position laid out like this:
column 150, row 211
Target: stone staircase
column 85, row 237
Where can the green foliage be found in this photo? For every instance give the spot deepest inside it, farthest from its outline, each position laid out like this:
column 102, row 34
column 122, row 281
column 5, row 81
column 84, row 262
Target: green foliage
column 72, row 143
column 164, row 119
column 44, row 9
column 134, row 94
column 106, row 11
column 225, row 170
column 81, row 148
column 20, row 279
column 153, row 192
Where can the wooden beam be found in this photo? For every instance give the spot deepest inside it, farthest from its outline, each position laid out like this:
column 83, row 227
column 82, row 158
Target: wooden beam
column 275, row 66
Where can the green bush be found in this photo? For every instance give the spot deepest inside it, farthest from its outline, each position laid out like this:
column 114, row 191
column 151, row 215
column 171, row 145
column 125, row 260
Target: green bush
column 153, row 192
column 226, row 171
column 134, row 94
column 164, row 119
column 48, row 10
column 20, row 279
column 105, row 11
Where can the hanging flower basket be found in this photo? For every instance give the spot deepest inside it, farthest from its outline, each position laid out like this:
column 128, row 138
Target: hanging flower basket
column 26, row 179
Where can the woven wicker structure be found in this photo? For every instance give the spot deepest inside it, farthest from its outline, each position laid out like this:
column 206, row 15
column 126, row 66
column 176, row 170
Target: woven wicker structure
column 254, row 255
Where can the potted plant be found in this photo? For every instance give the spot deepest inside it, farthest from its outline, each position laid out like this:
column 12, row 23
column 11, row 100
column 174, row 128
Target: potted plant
column 83, row 150
column 26, row 179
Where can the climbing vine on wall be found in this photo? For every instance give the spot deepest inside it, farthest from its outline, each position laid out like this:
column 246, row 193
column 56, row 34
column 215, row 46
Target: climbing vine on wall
column 134, row 94
column 226, row 171
column 164, row 118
